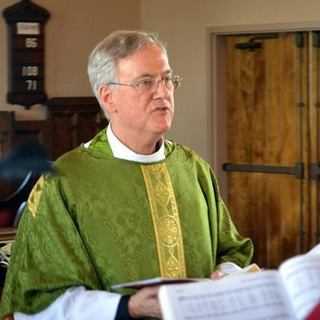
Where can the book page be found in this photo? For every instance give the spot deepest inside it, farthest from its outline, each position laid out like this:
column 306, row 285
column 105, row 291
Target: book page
column 252, row 296
column 301, row 277
column 231, row 269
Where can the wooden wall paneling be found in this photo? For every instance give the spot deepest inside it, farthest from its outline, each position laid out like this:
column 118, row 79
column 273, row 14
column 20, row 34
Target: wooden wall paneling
column 37, row 130
column 6, row 131
column 14, row 192
column 70, row 122
column 73, row 120
column 62, row 133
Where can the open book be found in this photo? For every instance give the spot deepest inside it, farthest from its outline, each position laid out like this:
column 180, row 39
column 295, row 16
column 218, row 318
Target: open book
column 289, row 293
column 227, row 268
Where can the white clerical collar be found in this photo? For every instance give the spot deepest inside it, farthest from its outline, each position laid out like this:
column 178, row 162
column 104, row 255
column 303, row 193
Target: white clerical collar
column 121, row 151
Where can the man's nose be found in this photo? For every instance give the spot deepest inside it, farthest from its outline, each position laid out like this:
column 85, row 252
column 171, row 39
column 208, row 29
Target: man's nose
column 161, row 88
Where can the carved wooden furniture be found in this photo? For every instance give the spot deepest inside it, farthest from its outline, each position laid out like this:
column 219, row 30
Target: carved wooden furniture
column 6, row 131
column 73, row 121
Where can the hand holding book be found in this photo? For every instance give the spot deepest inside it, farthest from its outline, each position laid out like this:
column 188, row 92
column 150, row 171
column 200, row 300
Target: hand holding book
column 291, row 292
column 232, row 269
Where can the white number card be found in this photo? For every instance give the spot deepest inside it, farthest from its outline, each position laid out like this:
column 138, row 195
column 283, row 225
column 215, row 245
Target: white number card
column 28, row 28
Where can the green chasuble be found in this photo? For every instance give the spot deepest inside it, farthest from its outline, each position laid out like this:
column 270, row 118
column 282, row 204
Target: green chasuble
column 102, row 221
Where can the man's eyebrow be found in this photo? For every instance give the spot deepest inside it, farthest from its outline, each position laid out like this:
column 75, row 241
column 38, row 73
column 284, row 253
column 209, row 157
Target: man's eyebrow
column 145, row 75
column 149, row 75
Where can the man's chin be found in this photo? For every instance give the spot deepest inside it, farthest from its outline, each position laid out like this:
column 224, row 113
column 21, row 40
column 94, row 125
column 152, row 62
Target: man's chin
column 163, row 127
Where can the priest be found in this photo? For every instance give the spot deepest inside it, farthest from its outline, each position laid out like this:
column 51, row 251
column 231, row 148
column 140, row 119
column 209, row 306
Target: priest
column 127, row 205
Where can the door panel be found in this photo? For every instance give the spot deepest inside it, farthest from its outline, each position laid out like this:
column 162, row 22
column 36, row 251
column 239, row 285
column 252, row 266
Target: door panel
column 267, row 124
column 314, row 138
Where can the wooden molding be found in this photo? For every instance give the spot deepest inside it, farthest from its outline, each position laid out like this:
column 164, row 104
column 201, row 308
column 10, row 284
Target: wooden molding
column 72, row 102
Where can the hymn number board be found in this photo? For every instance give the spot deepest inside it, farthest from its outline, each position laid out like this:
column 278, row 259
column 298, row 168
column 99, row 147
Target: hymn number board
column 27, row 58
column 26, row 53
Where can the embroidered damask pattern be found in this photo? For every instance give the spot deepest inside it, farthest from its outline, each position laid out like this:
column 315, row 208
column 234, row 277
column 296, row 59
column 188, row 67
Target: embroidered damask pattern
column 166, row 221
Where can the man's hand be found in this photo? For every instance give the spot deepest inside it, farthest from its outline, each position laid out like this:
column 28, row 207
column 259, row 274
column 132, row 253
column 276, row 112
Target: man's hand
column 145, row 303
column 216, row 275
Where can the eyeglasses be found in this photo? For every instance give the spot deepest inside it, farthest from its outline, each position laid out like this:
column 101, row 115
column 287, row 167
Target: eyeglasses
column 151, row 84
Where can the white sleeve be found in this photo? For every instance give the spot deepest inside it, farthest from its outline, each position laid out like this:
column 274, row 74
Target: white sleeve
column 77, row 303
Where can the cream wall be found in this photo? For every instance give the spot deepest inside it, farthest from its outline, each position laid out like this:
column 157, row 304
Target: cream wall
column 185, row 26
column 76, row 26
column 73, row 29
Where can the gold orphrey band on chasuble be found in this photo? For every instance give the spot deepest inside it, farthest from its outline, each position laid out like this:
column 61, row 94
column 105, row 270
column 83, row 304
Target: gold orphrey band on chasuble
column 35, row 195
column 166, row 220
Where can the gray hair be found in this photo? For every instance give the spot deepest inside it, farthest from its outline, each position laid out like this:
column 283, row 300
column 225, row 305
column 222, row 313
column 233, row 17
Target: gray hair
column 104, row 58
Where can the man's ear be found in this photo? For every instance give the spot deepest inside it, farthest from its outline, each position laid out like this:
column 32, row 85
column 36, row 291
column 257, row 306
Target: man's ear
column 106, row 99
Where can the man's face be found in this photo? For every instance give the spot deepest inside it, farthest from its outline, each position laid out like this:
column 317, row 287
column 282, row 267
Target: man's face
column 144, row 113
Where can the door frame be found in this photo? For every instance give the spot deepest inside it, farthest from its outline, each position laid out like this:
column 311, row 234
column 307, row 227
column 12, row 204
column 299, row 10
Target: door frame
column 216, row 101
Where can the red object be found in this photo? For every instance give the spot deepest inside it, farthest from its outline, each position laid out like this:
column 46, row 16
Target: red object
column 6, row 218
column 315, row 313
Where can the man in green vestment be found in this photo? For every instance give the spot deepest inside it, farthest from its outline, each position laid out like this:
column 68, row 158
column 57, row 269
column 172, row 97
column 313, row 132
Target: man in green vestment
column 128, row 205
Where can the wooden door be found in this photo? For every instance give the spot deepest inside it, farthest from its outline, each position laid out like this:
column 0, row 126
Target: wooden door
column 272, row 139
column 314, row 137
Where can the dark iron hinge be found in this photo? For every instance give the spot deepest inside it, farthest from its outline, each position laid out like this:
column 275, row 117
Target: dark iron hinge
column 256, row 41
column 296, row 170
column 299, row 39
